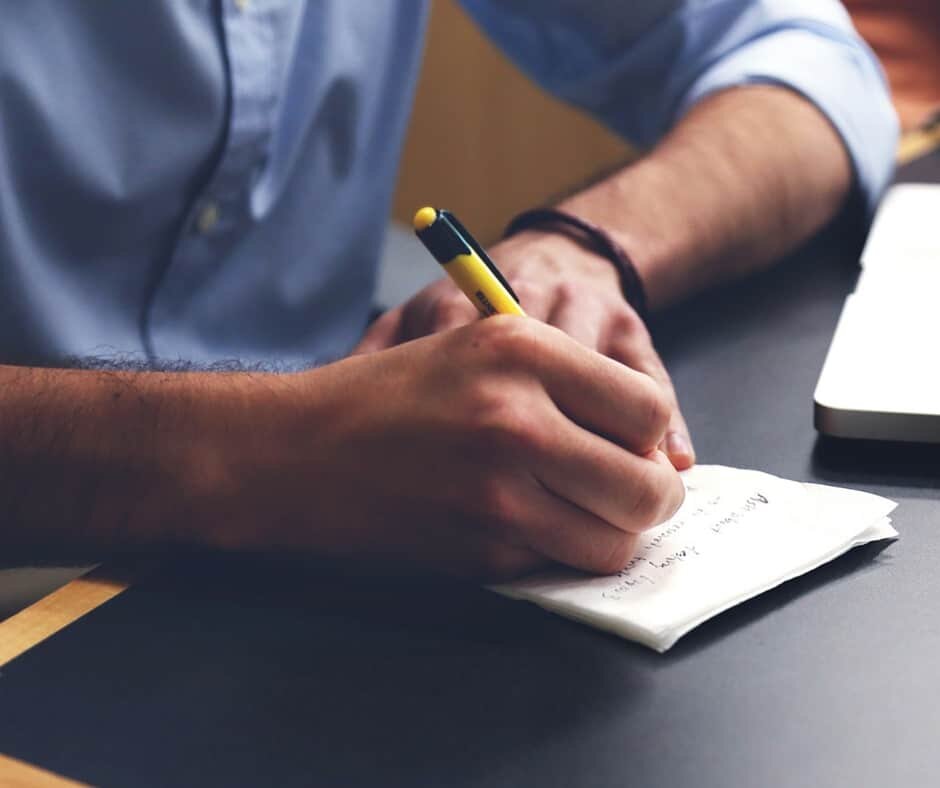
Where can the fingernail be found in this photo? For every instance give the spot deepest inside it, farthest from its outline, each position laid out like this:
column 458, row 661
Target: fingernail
column 678, row 446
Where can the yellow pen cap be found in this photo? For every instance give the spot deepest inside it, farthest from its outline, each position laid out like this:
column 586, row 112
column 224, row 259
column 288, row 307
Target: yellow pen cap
column 424, row 218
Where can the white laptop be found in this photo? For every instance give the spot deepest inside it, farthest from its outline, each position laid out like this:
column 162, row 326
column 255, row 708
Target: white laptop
column 881, row 378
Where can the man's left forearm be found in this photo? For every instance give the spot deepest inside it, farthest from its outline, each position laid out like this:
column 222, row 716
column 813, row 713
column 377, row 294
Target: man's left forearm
column 747, row 174
column 744, row 177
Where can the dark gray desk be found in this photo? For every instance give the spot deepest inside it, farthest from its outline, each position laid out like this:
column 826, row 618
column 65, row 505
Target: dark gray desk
column 240, row 673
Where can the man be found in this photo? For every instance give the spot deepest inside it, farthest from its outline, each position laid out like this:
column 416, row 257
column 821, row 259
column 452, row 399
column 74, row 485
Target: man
column 209, row 181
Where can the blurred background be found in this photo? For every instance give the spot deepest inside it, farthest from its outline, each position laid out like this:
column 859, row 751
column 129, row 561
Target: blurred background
column 906, row 36
column 472, row 122
column 476, row 115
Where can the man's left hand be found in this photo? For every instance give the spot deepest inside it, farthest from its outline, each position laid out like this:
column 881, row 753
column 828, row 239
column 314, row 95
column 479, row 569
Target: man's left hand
column 561, row 284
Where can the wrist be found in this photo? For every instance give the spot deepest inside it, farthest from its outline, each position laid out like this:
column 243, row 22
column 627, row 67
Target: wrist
column 643, row 208
column 543, row 253
column 264, row 479
column 592, row 238
column 238, row 430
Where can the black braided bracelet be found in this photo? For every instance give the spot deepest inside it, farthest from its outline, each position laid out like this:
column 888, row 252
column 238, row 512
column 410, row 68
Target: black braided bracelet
column 591, row 237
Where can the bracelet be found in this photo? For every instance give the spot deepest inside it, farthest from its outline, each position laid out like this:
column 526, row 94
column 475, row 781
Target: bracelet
column 593, row 238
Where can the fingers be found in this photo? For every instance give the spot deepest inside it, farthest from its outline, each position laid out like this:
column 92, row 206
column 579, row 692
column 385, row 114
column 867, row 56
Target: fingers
column 601, row 394
column 439, row 307
column 633, row 347
column 382, row 334
column 677, row 445
column 442, row 307
column 535, row 298
column 630, row 492
column 555, row 528
column 582, row 325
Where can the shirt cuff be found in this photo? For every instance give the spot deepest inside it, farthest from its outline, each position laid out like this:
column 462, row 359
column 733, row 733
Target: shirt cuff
column 840, row 76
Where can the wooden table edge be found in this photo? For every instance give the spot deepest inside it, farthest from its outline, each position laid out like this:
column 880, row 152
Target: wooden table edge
column 18, row 774
column 918, row 143
column 57, row 610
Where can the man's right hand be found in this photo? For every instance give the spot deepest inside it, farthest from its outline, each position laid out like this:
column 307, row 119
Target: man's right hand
column 484, row 451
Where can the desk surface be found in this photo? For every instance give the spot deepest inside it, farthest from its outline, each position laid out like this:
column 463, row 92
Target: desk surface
column 243, row 673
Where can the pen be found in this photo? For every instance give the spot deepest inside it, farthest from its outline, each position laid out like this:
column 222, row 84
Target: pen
column 466, row 263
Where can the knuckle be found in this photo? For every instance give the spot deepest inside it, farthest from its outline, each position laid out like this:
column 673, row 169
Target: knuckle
column 511, row 340
column 660, row 411
column 626, row 322
column 486, row 395
column 621, row 347
column 654, row 404
column 529, row 291
column 617, row 555
column 509, row 424
column 649, row 499
column 448, row 311
column 567, row 293
column 669, row 492
column 677, row 498
column 496, row 503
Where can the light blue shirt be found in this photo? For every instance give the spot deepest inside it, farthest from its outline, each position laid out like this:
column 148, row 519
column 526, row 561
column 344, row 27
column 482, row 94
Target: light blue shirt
column 211, row 180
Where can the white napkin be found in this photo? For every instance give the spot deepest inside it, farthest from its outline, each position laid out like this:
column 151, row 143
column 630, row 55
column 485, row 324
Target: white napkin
column 738, row 534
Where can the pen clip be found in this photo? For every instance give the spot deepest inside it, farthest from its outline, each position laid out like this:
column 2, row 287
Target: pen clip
column 470, row 241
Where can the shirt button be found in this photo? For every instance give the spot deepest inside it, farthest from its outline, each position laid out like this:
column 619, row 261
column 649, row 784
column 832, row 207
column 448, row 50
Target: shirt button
column 208, row 218
column 241, row 5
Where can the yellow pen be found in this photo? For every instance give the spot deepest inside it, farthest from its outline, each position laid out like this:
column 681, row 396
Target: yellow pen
column 466, row 263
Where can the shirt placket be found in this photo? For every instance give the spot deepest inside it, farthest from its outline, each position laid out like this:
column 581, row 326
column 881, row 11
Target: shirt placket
column 223, row 206
column 249, row 41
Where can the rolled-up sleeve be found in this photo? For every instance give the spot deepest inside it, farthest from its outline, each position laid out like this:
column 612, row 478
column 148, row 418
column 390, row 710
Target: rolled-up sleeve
column 639, row 66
